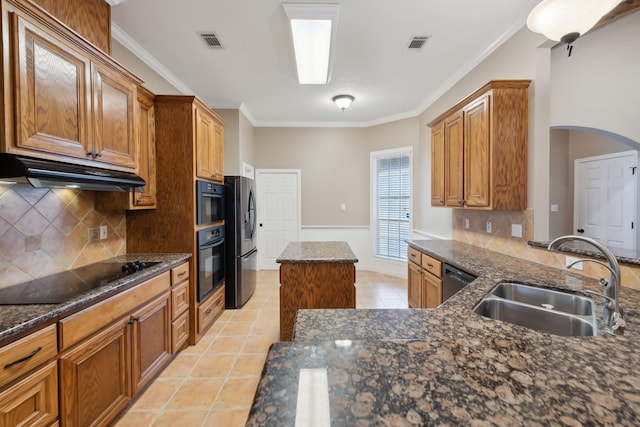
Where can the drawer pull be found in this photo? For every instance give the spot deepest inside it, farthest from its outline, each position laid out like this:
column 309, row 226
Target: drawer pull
column 208, row 312
column 219, row 302
column 23, row 359
column 430, row 265
column 182, row 273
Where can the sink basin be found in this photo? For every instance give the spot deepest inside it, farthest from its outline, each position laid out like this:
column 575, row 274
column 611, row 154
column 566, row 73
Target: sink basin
column 545, row 298
column 544, row 310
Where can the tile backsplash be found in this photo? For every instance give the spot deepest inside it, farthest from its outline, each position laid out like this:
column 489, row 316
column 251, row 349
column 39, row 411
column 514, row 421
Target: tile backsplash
column 500, row 240
column 45, row 231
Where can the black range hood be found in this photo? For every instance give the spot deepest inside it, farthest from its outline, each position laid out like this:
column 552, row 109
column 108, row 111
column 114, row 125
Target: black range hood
column 49, row 173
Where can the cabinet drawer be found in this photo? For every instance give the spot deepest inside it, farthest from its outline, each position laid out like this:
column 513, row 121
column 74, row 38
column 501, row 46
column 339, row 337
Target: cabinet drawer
column 209, row 310
column 33, row 401
column 179, row 299
column 179, row 273
column 414, row 255
column 27, row 353
column 432, row 265
column 84, row 323
column 179, row 332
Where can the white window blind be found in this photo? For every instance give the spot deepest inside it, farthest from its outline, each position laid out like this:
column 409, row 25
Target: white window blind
column 392, row 202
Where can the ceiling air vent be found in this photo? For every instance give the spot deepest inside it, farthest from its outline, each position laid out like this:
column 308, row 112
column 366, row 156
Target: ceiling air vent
column 211, row 40
column 416, row 43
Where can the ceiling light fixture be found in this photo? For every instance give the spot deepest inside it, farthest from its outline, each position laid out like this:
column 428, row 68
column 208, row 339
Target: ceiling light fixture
column 343, row 101
column 314, row 28
column 566, row 20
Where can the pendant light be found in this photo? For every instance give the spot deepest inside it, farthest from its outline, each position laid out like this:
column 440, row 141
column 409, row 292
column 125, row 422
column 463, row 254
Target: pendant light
column 566, row 20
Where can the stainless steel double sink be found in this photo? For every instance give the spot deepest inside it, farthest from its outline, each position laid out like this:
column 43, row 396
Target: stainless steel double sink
column 545, row 310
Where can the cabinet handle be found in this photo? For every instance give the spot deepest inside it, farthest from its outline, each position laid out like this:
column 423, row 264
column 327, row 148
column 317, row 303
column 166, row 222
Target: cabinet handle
column 208, row 312
column 430, row 265
column 97, row 154
column 219, row 302
column 138, row 200
column 182, row 274
column 23, row 359
column 89, row 153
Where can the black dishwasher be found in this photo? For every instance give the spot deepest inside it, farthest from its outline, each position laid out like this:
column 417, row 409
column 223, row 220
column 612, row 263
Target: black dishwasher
column 453, row 280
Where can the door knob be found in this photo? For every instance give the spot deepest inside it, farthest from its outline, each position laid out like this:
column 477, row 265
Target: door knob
column 580, row 230
column 260, row 224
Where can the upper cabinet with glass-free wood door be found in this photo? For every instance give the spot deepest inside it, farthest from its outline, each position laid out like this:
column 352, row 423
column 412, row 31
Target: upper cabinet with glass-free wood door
column 209, row 137
column 479, row 149
column 64, row 99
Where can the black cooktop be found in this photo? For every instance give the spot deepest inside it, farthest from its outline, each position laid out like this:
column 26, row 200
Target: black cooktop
column 61, row 287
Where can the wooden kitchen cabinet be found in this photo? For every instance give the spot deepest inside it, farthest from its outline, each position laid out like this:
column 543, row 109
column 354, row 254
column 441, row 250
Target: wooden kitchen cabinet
column 484, row 141
column 424, row 280
column 180, row 302
column 29, row 380
column 95, row 378
column 209, row 144
column 111, row 350
column 110, row 200
column 64, row 99
column 151, row 341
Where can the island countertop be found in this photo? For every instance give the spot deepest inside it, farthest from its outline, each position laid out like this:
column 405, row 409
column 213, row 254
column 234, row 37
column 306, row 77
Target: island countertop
column 450, row 366
column 317, row 252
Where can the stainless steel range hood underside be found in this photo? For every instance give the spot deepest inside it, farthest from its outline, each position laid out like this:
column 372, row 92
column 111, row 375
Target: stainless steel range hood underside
column 48, row 173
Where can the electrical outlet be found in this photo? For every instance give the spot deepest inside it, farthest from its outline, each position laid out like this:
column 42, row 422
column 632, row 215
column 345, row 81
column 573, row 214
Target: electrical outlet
column 466, row 223
column 554, row 208
column 516, row 230
column 489, row 227
column 103, row 232
column 569, row 260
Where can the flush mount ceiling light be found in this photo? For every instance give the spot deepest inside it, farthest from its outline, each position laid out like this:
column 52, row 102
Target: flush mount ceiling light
column 343, row 101
column 566, row 20
column 314, row 28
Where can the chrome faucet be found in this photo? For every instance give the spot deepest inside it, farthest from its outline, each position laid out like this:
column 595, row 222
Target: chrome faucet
column 612, row 291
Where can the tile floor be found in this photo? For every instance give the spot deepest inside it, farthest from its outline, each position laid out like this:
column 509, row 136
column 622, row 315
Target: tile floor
column 213, row 382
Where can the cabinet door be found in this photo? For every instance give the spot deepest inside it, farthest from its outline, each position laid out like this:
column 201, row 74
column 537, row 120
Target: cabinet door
column 437, row 165
column 205, row 144
column 432, row 291
column 218, row 151
column 33, row 401
column 95, row 378
column 147, row 151
column 414, row 286
column 477, row 180
column 151, row 340
column 52, row 93
column 114, row 115
column 453, row 157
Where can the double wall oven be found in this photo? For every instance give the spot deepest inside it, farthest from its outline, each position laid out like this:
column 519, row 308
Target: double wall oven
column 211, row 246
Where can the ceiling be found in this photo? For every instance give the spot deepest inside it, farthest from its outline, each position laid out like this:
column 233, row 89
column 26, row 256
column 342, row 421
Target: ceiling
column 255, row 70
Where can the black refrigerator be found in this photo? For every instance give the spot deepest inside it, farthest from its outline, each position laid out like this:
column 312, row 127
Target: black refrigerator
column 241, row 254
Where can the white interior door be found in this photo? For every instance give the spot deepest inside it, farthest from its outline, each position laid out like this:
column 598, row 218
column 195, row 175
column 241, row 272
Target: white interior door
column 278, row 197
column 605, row 199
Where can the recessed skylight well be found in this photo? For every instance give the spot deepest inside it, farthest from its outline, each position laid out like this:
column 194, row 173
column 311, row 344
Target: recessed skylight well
column 313, row 28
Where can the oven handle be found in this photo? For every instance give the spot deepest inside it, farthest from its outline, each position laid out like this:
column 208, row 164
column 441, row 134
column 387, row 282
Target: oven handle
column 212, row 195
column 216, row 242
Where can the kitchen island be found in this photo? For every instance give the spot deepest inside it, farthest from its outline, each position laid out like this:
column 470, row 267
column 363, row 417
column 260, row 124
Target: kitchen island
column 315, row 275
column 451, row 366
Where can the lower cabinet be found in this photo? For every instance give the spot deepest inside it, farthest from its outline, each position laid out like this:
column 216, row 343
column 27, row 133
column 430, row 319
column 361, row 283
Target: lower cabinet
column 95, row 379
column 33, row 401
column 210, row 309
column 151, row 341
column 100, row 373
column 424, row 280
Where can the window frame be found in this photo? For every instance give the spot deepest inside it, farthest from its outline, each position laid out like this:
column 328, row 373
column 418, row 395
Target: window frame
column 374, row 156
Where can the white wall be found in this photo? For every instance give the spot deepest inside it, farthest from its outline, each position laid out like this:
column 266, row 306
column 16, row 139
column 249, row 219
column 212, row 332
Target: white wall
column 598, row 85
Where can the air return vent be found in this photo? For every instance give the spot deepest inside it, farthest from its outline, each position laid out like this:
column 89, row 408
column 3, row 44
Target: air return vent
column 211, row 40
column 416, row 43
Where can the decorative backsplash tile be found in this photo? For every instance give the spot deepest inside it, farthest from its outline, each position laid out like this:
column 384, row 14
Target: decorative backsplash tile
column 45, row 231
column 500, row 240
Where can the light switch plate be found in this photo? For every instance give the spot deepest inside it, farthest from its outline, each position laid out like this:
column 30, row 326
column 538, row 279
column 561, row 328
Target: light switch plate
column 489, row 227
column 466, row 223
column 103, row 232
column 554, row 208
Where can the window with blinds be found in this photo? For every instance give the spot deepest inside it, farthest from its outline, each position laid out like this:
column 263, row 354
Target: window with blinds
column 392, row 202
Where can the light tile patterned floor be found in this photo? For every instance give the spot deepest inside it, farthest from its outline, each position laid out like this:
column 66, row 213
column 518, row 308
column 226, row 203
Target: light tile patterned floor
column 213, row 382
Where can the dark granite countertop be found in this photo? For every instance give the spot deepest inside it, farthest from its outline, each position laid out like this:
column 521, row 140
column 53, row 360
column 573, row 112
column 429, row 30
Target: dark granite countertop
column 450, row 366
column 317, row 252
column 17, row 320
